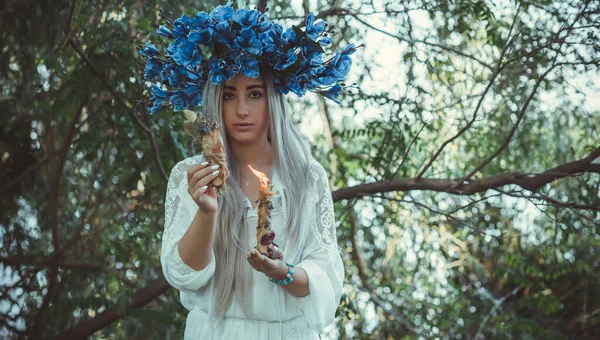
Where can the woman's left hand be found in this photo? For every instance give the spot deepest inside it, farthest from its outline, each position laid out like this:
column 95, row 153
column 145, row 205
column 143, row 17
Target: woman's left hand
column 275, row 269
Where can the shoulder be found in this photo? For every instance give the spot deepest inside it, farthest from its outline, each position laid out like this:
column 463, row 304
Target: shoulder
column 318, row 173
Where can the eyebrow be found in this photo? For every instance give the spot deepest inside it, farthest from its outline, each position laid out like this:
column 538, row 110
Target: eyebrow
column 250, row 87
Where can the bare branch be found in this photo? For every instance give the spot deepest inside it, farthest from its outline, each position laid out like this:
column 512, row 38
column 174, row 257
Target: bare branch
column 526, row 181
column 142, row 297
column 497, row 305
column 499, row 67
column 39, row 262
column 514, row 128
column 415, row 41
column 57, row 170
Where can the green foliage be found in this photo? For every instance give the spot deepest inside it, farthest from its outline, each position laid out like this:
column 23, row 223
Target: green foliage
column 503, row 262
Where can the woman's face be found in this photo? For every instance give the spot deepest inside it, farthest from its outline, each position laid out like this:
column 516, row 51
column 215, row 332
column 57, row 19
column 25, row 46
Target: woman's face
column 245, row 109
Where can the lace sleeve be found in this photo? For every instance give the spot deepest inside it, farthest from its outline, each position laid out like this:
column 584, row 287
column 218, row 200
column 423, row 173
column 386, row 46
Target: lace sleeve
column 321, row 258
column 180, row 210
column 324, row 224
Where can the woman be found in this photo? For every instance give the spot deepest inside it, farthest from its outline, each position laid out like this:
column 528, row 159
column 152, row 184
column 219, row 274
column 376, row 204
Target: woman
column 207, row 249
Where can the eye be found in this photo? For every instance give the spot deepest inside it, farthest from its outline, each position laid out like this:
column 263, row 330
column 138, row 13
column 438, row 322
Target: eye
column 255, row 94
column 228, row 95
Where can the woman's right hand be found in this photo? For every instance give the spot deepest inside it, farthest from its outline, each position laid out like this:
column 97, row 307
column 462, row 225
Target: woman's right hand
column 199, row 178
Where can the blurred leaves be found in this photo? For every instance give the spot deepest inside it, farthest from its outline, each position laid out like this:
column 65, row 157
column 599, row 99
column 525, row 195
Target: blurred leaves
column 504, row 263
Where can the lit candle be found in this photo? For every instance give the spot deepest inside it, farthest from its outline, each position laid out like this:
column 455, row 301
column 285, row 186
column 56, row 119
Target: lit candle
column 264, row 232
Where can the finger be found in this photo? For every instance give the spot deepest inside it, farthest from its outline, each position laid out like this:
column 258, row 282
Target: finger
column 203, row 176
column 195, row 168
column 257, row 259
column 197, row 196
column 252, row 260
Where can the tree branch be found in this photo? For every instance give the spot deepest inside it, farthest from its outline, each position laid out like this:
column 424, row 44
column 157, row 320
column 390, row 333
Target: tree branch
column 513, row 129
column 414, row 41
column 499, row 67
column 57, row 171
column 30, row 260
column 497, row 305
column 527, row 181
column 142, row 297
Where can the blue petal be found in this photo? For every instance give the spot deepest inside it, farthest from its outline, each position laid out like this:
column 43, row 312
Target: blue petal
column 163, row 31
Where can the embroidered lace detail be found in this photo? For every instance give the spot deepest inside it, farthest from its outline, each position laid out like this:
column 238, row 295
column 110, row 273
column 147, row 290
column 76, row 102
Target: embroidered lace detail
column 174, row 203
column 323, row 224
column 296, row 329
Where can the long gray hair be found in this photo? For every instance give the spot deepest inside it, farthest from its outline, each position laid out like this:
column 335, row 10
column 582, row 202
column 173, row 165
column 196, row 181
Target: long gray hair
column 292, row 160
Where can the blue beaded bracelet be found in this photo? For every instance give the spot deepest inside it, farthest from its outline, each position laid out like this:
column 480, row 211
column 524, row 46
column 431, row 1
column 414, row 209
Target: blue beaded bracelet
column 288, row 278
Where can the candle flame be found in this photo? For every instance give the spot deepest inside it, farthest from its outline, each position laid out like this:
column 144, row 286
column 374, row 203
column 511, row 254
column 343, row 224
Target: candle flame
column 264, row 180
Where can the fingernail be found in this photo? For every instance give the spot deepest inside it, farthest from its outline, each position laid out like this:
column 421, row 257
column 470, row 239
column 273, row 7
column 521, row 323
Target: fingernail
column 204, row 188
column 262, row 258
column 252, row 251
column 204, row 163
column 215, row 173
column 214, row 167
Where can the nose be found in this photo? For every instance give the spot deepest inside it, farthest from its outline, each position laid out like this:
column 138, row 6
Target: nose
column 242, row 107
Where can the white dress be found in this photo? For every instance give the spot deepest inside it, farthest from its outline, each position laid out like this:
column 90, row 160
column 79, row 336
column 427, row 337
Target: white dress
column 275, row 314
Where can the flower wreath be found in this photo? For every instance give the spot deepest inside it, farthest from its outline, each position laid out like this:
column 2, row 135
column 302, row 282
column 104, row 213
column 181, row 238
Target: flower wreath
column 219, row 45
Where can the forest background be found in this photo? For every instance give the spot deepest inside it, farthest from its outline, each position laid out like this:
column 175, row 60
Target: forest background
column 464, row 167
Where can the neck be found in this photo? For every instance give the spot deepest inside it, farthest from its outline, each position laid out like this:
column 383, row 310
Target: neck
column 258, row 155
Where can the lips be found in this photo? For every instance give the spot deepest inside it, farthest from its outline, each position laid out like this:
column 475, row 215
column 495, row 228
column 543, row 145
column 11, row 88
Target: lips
column 243, row 126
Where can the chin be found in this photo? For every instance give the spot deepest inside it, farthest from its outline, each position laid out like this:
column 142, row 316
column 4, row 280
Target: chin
column 243, row 138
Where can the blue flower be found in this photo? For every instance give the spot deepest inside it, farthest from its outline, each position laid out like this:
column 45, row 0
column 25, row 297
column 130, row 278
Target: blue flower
column 179, row 75
column 165, row 73
column 271, row 38
column 159, row 95
column 241, row 41
column 178, row 100
column 149, row 51
column 285, row 59
column 153, row 68
column 163, row 31
column 338, row 67
column 295, row 84
column 326, row 78
column 202, row 21
column 247, row 41
column 349, row 49
column 312, row 30
column 333, row 93
column 156, row 108
column 203, row 37
column 248, row 66
column 219, row 73
column 325, row 42
column 289, row 37
column 222, row 13
column 181, row 27
column 245, row 17
column 193, row 90
column 188, row 54
column 342, row 67
column 263, row 22
column 223, row 26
